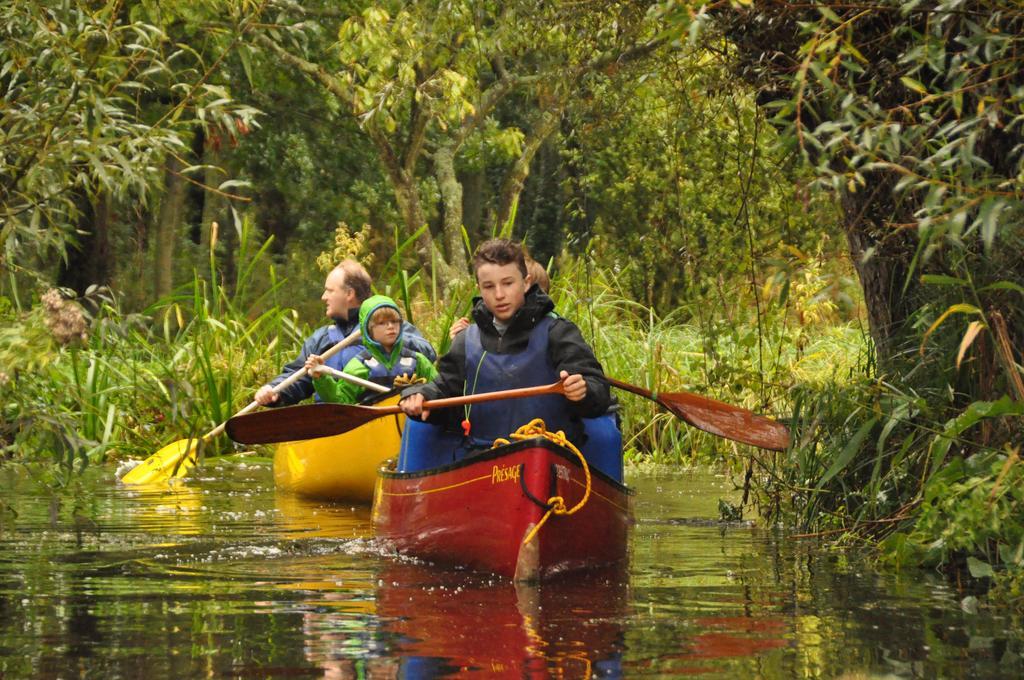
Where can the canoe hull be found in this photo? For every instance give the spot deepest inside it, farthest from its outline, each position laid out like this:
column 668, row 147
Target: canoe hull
column 479, row 512
column 341, row 468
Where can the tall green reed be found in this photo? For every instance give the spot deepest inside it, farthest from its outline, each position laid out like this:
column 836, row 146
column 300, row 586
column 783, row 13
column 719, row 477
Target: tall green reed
column 711, row 346
column 139, row 380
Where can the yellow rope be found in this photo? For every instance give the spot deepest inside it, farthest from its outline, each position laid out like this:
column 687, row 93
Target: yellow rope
column 536, row 428
column 408, row 379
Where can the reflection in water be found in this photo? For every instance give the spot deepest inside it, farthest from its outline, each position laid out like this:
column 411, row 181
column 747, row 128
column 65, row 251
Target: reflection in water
column 173, row 507
column 424, row 621
column 301, row 518
column 715, row 643
column 221, row 577
column 447, row 622
column 344, row 530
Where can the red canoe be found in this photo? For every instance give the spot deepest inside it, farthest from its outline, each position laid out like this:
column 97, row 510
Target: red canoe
column 479, row 513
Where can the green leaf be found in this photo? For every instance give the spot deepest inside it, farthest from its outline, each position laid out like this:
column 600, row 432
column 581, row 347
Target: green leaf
column 1004, row 285
column 406, row 298
column 246, row 59
column 829, row 14
column 914, row 85
column 989, row 218
column 848, row 452
column 465, row 239
column 942, row 280
column 977, row 411
column 961, row 308
column 979, row 569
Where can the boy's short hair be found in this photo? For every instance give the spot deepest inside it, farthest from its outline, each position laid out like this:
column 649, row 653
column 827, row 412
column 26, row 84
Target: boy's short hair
column 538, row 274
column 356, row 278
column 500, row 251
column 382, row 314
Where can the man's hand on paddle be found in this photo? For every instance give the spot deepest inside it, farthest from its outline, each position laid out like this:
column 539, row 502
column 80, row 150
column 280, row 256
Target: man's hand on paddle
column 413, row 406
column 313, row 364
column 575, row 386
column 265, row 396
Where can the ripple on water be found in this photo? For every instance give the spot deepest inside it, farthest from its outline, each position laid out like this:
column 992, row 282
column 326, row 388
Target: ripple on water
column 220, row 576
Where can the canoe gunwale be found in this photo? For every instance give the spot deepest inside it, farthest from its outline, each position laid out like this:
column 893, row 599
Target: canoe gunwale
column 500, row 452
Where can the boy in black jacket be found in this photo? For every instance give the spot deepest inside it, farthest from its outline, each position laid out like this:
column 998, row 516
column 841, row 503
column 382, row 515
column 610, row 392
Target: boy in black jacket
column 516, row 341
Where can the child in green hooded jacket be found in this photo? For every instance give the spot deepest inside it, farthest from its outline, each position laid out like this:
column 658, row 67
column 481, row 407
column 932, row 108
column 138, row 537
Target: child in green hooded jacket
column 383, row 359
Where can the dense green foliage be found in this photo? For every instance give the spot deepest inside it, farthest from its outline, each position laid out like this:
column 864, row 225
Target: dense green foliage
column 810, row 209
column 94, row 98
column 89, row 380
column 912, row 113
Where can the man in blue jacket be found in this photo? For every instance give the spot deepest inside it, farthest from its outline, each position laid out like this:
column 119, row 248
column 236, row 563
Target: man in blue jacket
column 345, row 288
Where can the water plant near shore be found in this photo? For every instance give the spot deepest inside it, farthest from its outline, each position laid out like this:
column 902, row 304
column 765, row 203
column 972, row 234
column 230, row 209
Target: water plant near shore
column 137, row 379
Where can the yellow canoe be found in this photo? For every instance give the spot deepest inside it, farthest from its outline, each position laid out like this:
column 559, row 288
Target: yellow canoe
column 343, row 467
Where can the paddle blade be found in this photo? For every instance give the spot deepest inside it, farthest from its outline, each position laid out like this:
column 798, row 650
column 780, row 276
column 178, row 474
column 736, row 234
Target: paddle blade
column 173, row 460
column 726, row 420
column 312, row 421
column 294, row 423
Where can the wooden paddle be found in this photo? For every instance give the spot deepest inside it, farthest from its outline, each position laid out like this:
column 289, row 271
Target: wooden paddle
column 716, row 417
column 368, row 384
column 177, row 458
column 324, row 420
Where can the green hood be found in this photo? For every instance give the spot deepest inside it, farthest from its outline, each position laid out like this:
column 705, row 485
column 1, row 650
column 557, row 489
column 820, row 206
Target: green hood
column 366, row 310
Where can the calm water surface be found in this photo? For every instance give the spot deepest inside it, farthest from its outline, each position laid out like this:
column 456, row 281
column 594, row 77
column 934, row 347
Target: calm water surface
column 222, row 577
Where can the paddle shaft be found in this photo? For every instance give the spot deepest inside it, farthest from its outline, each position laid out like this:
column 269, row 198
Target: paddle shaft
column 368, row 384
column 349, row 339
column 553, row 388
column 308, row 422
column 630, row 388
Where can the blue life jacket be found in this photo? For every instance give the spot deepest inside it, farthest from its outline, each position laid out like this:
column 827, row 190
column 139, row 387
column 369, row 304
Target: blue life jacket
column 381, row 374
column 339, row 360
column 488, row 372
column 426, row 446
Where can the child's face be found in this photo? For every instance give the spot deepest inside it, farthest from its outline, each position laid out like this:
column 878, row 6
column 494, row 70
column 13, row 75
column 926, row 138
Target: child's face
column 386, row 332
column 503, row 288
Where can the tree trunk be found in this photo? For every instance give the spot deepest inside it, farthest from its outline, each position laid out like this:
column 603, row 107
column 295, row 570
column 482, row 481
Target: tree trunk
column 408, row 199
column 167, row 226
column 544, row 203
column 215, row 205
column 407, row 196
column 579, row 217
column 451, row 200
column 276, row 217
column 90, row 261
column 881, row 256
column 473, row 198
column 512, row 187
